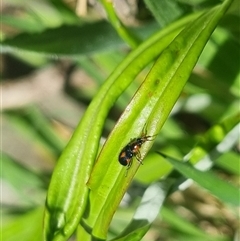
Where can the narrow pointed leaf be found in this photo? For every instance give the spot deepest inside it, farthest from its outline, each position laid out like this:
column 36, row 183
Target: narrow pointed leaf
column 218, row 187
column 67, row 193
column 151, row 105
column 146, row 213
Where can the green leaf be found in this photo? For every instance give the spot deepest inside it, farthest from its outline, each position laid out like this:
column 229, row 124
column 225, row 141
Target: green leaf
column 67, row 194
column 130, row 38
column 146, row 213
column 74, row 40
column 26, row 227
column 68, row 15
column 151, row 105
column 44, row 127
column 36, row 127
column 164, row 11
column 184, row 226
column 221, row 189
column 22, row 180
column 216, row 140
column 24, row 24
column 229, row 161
column 152, row 162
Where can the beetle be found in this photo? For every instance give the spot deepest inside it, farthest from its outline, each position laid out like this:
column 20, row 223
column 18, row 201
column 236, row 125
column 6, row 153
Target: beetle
column 132, row 149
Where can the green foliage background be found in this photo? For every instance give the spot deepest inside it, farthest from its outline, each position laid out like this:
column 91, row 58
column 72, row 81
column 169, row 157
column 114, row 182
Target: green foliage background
column 137, row 75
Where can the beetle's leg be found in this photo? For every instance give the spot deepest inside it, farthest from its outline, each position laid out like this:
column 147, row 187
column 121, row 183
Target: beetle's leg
column 128, row 166
column 138, row 157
